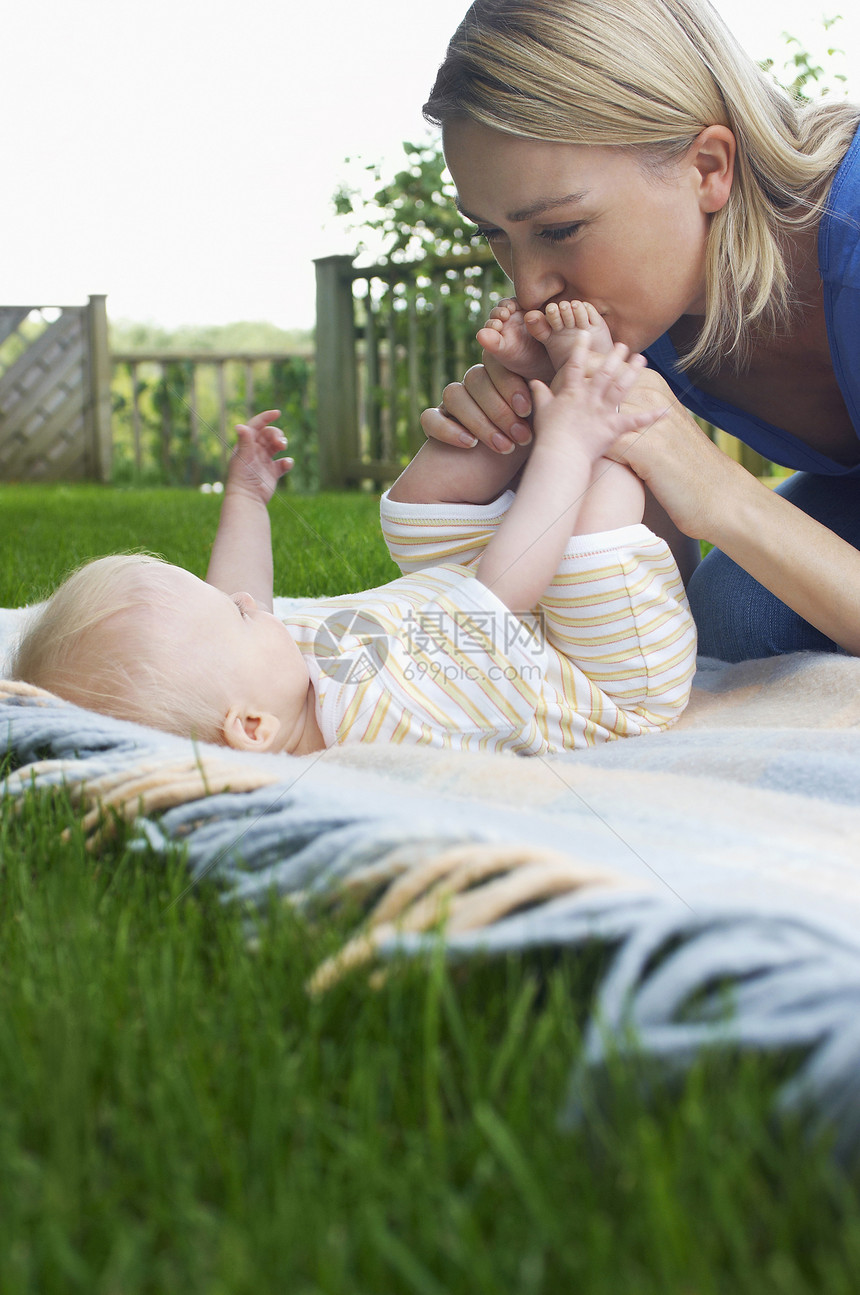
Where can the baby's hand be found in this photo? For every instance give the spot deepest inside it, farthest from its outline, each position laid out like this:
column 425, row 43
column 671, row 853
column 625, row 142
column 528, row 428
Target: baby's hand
column 585, row 411
column 254, row 471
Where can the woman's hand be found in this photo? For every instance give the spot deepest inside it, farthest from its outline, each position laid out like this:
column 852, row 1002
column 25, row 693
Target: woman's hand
column 687, row 474
column 490, row 405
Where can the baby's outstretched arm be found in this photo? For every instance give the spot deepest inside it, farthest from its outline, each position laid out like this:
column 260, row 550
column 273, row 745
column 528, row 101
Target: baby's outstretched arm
column 577, row 421
column 241, row 559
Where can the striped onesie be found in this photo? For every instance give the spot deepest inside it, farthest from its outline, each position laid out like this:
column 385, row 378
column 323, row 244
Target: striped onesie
column 435, row 658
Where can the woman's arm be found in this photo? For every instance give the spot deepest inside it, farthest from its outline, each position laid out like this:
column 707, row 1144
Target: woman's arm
column 710, row 496
column 686, row 550
column 701, row 493
column 812, row 570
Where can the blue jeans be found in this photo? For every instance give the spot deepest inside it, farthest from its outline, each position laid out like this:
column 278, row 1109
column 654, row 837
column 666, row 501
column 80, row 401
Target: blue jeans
column 736, row 617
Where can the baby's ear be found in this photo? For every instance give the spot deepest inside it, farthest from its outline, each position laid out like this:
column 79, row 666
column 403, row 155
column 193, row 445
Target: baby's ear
column 249, row 731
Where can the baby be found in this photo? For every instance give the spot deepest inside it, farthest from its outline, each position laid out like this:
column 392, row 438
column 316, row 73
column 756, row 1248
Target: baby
column 532, row 621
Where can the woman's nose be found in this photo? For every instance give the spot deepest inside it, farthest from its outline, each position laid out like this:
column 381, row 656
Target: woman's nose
column 536, row 281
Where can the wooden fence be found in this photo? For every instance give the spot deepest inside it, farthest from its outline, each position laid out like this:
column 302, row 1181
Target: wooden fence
column 389, row 337
column 55, row 393
column 174, row 413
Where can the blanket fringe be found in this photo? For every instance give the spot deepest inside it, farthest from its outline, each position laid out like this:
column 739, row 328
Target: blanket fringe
column 463, row 889
column 150, row 787
column 151, row 790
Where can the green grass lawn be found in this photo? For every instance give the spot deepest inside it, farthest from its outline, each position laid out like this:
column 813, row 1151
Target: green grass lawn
column 177, row 1115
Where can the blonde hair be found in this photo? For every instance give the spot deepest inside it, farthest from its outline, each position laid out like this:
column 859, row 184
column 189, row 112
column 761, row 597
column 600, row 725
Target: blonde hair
column 650, row 75
column 101, row 642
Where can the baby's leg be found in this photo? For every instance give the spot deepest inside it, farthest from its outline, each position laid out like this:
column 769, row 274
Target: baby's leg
column 505, row 335
column 614, row 497
column 557, row 328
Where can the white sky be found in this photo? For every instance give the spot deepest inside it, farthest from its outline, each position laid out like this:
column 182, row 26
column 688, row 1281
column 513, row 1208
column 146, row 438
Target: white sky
column 181, row 155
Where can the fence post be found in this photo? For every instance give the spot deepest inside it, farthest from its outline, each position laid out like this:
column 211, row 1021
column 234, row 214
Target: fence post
column 99, row 404
column 337, row 378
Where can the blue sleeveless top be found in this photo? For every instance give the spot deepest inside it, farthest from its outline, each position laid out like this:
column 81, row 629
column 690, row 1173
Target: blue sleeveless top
column 839, row 266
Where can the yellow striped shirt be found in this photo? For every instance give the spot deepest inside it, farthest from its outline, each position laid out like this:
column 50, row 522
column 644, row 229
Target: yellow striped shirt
column 435, row 658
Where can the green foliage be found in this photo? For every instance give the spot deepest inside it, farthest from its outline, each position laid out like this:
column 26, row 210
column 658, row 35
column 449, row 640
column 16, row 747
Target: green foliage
column 412, row 215
column 246, row 335
column 417, row 330
column 417, row 322
column 801, row 73
column 183, row 435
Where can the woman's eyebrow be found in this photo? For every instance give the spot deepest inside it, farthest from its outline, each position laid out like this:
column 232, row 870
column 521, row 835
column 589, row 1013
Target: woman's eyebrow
column 538, row 208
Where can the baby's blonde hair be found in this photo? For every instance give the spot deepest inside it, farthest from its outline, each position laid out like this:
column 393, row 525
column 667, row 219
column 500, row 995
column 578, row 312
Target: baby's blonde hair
column 650, row 75
column 101, row 642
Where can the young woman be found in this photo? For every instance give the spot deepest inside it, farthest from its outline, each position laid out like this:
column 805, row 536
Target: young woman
column 628, row 153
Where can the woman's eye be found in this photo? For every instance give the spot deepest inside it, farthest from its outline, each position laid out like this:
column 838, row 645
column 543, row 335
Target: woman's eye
column 559, row 235
column 489, row 234
column 243, row 611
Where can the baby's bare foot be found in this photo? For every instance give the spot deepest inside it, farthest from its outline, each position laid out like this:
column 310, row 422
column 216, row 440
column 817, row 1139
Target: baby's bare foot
column 505, row 335
column 557, row 327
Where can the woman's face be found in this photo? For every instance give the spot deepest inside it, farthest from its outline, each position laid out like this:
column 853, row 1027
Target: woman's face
column 575, row 221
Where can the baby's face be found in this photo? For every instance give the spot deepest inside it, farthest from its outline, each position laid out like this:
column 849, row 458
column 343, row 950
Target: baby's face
column 249, row 654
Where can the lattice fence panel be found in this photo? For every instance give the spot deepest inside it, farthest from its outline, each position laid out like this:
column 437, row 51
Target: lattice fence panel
column 49, row 426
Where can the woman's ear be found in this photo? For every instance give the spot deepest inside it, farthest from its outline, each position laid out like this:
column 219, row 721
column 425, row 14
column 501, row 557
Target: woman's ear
column 248, row 730
column 712, row 157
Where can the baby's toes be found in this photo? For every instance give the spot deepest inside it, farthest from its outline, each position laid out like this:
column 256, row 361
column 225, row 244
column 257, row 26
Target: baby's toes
column 503, row 311
column 554, row 317
column 592, row 314
column 538, row 325
column 492, row 336
column 567, row 313
column 583, row 315
column 590, row 318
